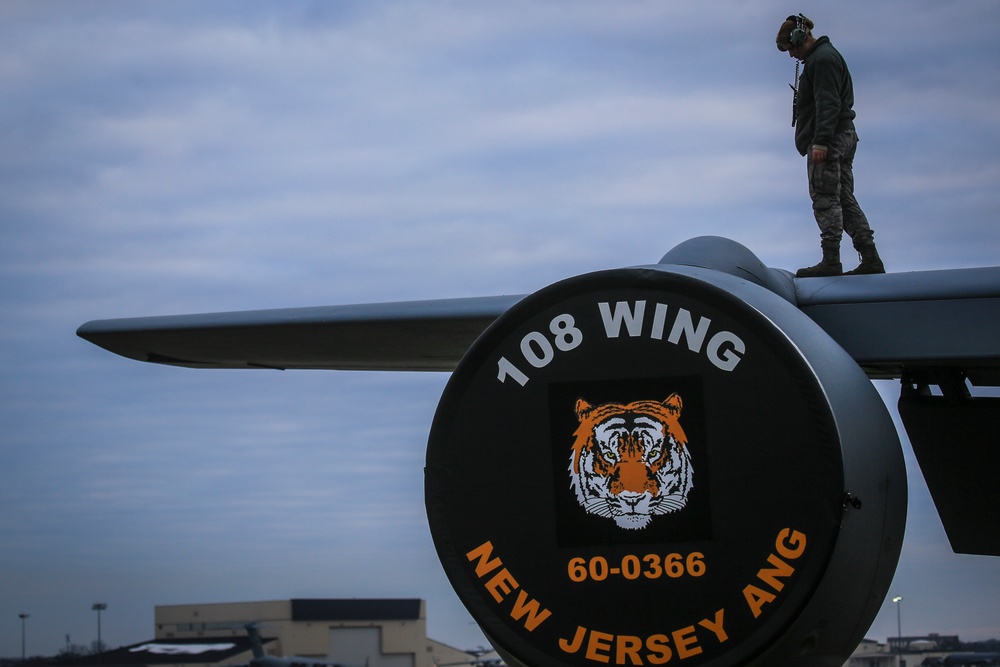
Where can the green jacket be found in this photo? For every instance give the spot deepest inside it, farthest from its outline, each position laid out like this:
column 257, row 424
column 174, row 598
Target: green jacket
column 825, row 101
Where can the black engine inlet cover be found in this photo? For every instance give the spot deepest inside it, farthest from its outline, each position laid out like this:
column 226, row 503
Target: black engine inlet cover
column 653, row 466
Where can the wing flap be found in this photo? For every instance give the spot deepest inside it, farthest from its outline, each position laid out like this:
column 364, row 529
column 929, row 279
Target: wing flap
column 955, row 442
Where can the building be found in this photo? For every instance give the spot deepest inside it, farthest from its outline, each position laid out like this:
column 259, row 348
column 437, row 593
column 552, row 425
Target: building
column 930, row 651
column 376, row 632
column 924, row 643
column 870, row 653
column 355, row 632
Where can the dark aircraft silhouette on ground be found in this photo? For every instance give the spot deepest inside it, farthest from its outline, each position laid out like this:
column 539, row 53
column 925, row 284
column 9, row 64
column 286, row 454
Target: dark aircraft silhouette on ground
column 478, row 659
column 690, row 463
column 261, row 659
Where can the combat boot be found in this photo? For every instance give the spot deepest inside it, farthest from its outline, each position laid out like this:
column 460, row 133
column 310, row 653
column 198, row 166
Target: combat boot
column 870, row 261
column 829, row 266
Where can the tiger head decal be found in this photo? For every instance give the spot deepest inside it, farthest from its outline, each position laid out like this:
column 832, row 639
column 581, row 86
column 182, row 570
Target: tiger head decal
column 630, row 462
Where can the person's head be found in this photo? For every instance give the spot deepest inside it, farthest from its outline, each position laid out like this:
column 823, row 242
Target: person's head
column 795, row 36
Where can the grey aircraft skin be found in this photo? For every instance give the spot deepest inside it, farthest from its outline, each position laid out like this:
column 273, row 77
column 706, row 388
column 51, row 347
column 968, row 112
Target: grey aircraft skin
column 936, row 332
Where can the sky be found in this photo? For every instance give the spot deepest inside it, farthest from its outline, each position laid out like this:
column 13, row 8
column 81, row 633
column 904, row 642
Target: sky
column 180, row 157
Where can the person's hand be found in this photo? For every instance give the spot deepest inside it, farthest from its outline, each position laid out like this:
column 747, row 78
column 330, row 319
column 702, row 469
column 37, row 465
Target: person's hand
column 818, row 155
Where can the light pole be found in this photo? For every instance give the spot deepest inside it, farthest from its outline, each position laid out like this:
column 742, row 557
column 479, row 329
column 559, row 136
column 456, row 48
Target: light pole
column 899, row 623
column 99, row 607
column 24, row 617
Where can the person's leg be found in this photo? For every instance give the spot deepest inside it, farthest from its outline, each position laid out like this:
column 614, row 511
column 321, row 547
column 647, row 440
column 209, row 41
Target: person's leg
column 824, row 190
column 854, row 220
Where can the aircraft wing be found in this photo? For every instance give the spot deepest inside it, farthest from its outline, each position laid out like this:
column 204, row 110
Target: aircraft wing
column 898, row 323
column 889, row 323
column 405, row 336
column 939, row 331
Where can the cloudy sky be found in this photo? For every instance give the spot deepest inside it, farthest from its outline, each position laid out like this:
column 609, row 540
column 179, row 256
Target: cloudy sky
column 181, row 157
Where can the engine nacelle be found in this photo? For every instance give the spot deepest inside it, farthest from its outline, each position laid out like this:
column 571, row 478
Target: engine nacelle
column 665, row 465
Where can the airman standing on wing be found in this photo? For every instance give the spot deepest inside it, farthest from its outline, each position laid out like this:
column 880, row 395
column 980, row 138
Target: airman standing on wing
column 823, row 117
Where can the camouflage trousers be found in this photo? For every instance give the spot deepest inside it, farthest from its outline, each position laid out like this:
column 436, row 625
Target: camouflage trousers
column 831, row 188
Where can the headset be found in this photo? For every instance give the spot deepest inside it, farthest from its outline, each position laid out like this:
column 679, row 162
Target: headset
column 797, row 38
column 800, row 32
